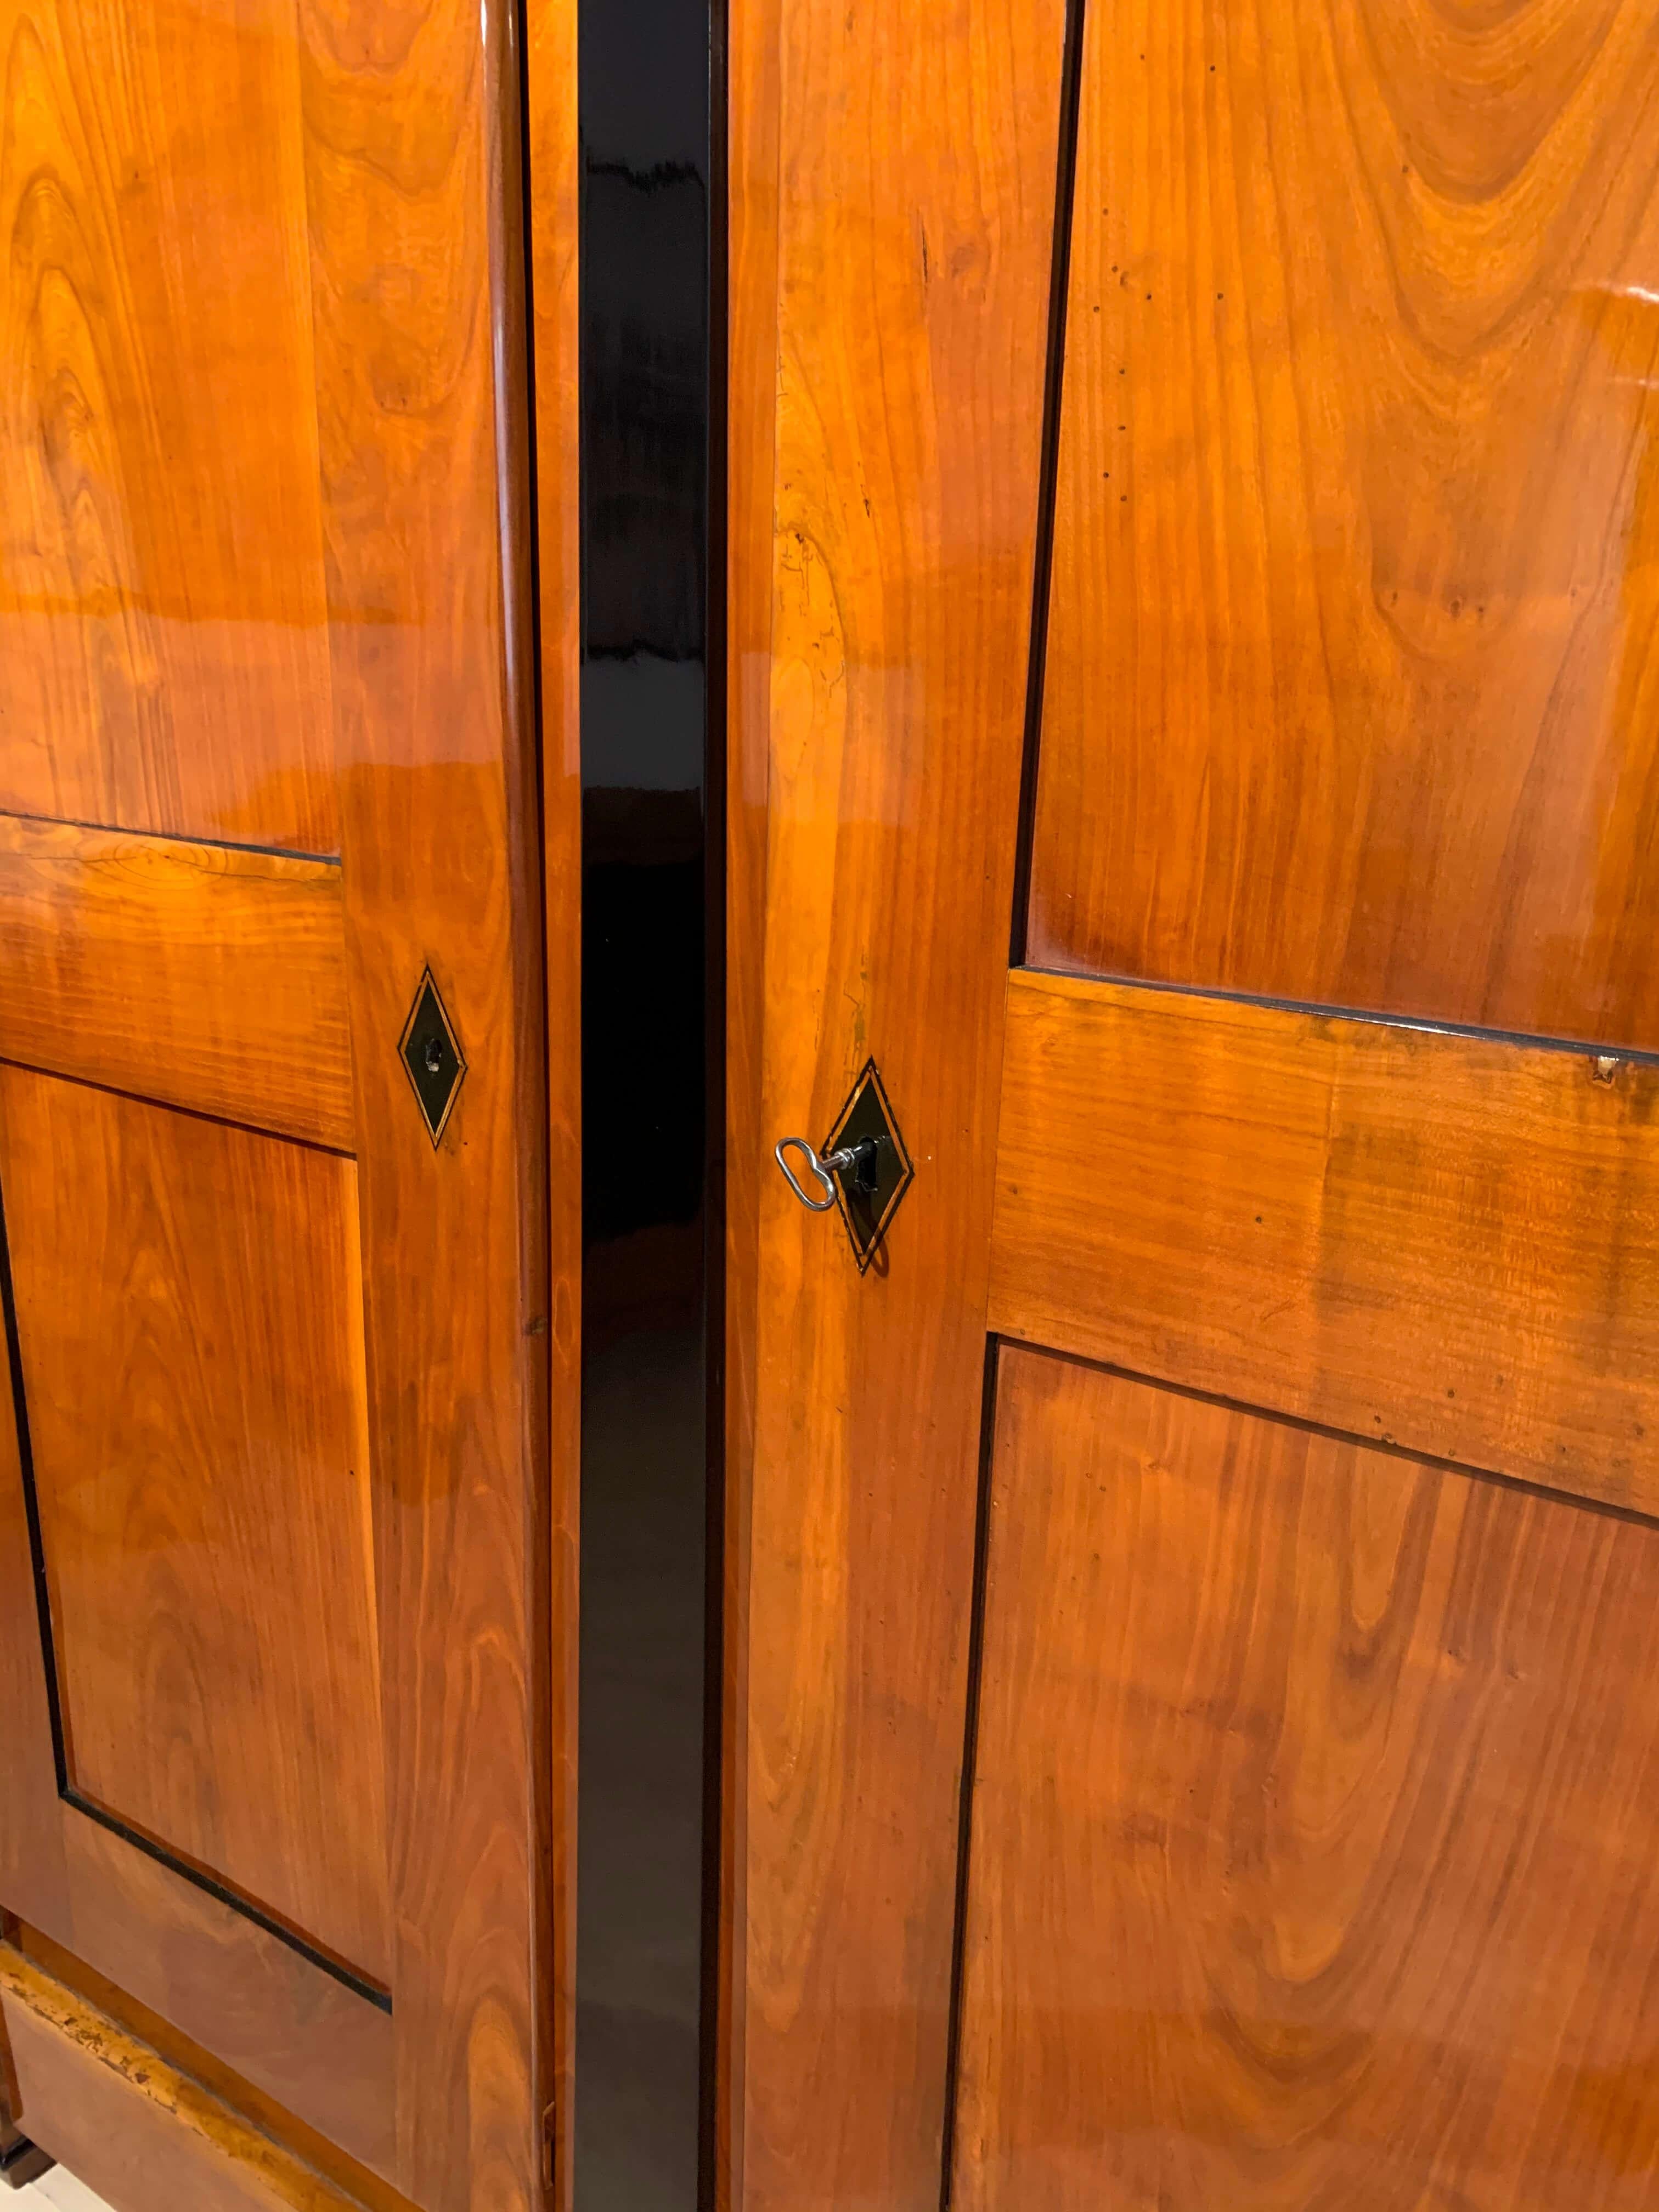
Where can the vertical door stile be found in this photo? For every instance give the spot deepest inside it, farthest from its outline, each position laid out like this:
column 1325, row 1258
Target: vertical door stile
column 418, row 398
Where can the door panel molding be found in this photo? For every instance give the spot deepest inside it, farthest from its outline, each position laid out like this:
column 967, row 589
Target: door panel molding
column 135, row 2127
column 206, row 976
column 1434, row 1239
column 169, row 1856
column 1352, row 670
column 1289, row 1751
column 262, row 1998
column 163, row 657
column 289, row 2024
column 201, row 1542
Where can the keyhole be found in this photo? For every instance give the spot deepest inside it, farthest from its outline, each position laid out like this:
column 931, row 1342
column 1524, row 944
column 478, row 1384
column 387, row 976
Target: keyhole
column 434, row 1055
column 864, row 1165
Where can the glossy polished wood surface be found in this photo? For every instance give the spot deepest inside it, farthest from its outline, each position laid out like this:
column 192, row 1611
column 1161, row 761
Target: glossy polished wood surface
column 892, row 273
column 753, row 61
column 1451, row 1242
column 204, row 976
column 1312, row 1845
column 163, row 648
column 76, row 1979
column 1352, row 679
column 1309, row 1857
column 554, row 170
column 189, row 1314
column 292, row 2031
column 412, row 159
column 145, row 2136
column 264, row 568
column 273, row 2015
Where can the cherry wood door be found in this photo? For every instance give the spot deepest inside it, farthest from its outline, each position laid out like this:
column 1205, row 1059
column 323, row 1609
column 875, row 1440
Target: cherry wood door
column 274, row 1487
column 1193, row 617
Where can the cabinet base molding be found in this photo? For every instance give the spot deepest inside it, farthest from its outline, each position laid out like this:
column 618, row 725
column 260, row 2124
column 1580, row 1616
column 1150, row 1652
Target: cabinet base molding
column 129, row 2124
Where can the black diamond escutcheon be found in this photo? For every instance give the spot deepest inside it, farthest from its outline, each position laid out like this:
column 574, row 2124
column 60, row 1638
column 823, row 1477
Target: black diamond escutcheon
column 869, row 1191
column 432, row 1054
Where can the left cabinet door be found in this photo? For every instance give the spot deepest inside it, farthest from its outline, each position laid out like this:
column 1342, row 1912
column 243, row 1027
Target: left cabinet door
column 274, row 1588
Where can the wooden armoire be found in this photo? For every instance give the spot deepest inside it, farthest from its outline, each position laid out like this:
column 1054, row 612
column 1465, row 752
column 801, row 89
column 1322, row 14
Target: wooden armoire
column 829, row 1104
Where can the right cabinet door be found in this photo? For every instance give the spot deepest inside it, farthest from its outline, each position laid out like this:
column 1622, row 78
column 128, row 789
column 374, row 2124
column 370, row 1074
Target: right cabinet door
column 1203, row 1742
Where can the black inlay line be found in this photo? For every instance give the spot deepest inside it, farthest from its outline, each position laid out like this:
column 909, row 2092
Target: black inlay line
column 31, row 1506
column 359, row 1985
column 1048, row 470
column 1552, row 1494
column 532, row 535
column 177, row 837
column 1424, row 1025
column 969, row 1760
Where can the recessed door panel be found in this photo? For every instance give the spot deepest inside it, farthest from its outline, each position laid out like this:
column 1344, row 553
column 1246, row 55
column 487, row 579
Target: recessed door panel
column 211, row 976
column 1446, row 1241
column 1311, row 1848
column 1350, row 680
column 189, row 1320
column 163, row 651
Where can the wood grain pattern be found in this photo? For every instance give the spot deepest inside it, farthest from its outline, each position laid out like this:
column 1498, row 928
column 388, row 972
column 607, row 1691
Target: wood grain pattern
column 163, row 647
column 1312, row 1834
column 250, row 2100
column 134, row 2128
column 191, row 1319
column 265, row 554
column 1447, row 1242
column 550, row 126
column 754, row 56
column 198, row 975
column 412, row 156
column 291, row 2030
column 890, row 276
column 1351, row 675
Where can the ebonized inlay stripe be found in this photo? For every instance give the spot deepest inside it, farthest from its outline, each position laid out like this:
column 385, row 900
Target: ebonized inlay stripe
column 988, row 1424
column 1048, row 469
column 1375, row 1017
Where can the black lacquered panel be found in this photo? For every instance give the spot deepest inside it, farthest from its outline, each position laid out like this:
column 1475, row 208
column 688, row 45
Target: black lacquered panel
column 651, row 905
